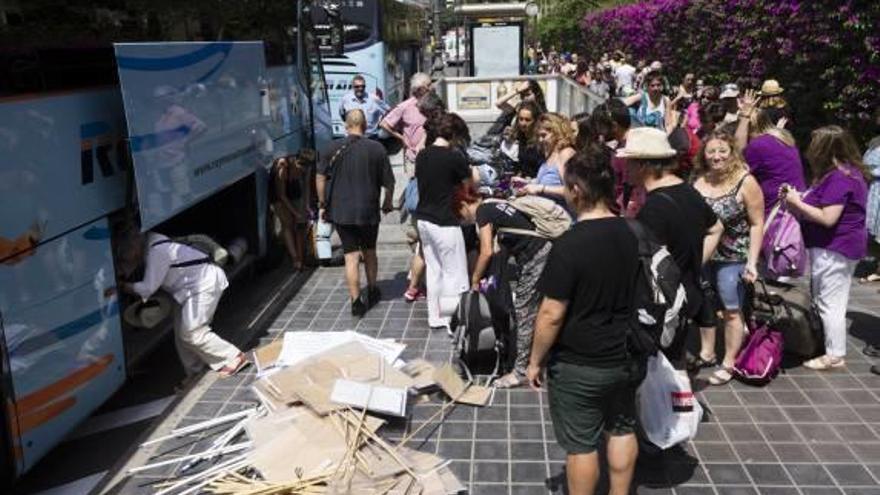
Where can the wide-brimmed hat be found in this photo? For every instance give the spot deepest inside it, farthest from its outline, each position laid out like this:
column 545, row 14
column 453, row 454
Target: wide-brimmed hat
column 771, row 87
column 148, row 314
column 646, row 143
column 730, row 90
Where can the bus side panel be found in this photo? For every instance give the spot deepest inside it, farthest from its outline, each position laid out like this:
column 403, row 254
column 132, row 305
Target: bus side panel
column 62, row 335
column 287, row 107
column 369, row 62
column 64, row 161
column 196, row 119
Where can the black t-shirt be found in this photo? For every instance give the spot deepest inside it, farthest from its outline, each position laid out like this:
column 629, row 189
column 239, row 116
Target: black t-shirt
column 679, row 218
column 361, row 170
column 500, row 214
column 594, row 266
column 439, row 170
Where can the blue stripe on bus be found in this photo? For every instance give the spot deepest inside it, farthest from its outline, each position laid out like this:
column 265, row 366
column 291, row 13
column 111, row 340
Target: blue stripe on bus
column 93, row 129
column 66, row 330
column 175, row 62
column 96, row 234
column 158, row 139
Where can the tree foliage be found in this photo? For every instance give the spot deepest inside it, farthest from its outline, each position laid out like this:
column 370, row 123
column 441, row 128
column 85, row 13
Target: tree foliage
column 826, row 54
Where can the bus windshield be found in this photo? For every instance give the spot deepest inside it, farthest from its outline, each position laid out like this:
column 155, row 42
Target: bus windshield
column 46, row 45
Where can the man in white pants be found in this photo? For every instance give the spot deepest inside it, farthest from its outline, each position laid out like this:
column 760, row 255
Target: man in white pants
column 196, row 284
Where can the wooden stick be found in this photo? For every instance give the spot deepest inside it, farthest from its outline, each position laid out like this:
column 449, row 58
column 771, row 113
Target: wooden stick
column 388, row 448
column 434, row 416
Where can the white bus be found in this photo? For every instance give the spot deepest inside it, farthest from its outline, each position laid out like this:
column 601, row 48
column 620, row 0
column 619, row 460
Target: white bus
column 166, row 111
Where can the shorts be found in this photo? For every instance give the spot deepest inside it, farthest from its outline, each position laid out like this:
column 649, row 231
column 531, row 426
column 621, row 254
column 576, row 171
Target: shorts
column 357, row 237
column 726, row 277
column 586, row 401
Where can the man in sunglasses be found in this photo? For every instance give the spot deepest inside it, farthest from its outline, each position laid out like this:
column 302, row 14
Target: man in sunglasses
column 373, row 106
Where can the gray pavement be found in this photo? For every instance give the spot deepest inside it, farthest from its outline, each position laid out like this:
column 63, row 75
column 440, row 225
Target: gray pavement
column 805, row 433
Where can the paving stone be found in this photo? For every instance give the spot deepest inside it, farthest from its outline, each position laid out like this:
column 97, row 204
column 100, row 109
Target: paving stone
column 768, row 474
column 727, row 474
column 850, row 474
column 809, row 475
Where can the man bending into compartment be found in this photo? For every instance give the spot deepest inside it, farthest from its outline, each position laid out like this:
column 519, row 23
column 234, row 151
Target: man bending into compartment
column 197, row 284
column 351, row 175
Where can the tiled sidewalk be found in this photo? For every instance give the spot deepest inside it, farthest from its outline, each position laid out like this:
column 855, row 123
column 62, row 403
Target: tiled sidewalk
column 806, row 433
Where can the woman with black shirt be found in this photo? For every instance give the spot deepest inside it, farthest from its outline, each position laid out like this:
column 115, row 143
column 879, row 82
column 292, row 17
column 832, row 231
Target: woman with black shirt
column 588, row 285
column 529, row 253
column 440, row 167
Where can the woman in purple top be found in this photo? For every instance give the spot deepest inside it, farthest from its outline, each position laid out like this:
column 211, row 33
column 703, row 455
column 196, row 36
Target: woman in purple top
column 833, row 217
column 771, row 153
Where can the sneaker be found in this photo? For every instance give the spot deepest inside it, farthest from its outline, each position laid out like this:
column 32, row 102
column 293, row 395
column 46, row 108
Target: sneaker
column 374, row 295
column 358, row 308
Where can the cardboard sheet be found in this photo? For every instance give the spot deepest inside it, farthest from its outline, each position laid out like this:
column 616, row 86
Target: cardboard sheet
column 265, row 357
column 477, row 395
column 449, row 381
column 376, row 398
column 299, row 346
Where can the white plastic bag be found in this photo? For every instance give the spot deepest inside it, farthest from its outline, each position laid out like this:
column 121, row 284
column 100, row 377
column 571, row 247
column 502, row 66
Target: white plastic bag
column 668, row 411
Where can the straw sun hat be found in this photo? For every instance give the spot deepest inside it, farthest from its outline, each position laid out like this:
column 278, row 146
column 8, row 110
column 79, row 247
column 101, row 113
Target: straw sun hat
column 771, row 87
column 646, row 143
column 150, row 313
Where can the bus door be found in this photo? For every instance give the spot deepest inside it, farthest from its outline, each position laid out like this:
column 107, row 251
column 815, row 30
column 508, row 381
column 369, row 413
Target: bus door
column 197, row 118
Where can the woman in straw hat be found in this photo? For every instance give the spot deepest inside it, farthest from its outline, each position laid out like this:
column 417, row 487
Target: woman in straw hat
column 651, row 163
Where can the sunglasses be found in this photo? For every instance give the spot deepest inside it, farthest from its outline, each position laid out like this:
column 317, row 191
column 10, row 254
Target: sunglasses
column 359, row 86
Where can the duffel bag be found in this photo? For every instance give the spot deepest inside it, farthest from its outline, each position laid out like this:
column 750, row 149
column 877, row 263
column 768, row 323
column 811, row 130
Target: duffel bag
column 790, row 310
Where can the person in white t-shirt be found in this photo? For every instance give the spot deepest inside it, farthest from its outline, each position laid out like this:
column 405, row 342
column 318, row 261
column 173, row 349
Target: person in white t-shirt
column 624, row 75
column 197, row 284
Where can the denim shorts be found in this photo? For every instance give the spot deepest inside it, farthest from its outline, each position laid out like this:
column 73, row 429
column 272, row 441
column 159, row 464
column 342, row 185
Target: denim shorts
column 726, row 277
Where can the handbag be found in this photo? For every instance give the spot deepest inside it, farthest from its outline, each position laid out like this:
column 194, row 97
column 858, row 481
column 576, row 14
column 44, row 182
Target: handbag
column 790, row 310
column 761, row 358
column 783, row 248
column 669, row 412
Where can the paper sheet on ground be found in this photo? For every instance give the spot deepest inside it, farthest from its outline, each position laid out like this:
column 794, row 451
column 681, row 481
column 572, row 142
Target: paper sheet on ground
column 299, row 346
column 372, row 397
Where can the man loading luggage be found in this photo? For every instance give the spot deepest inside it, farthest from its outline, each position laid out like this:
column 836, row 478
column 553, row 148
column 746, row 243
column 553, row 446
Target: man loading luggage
column 197, row 284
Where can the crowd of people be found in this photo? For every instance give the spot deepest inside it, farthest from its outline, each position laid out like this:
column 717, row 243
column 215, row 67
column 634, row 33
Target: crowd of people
column 699, row 167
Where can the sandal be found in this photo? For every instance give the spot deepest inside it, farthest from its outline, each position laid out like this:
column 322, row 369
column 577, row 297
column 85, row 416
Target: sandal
column 824, row 363
column 700, row 362
column 874, row 277
column 510, row 380
column 240, row 364
column 721, row 376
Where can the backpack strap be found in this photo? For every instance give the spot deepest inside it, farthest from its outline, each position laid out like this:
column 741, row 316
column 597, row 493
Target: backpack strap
column 526, row 232
column 184, row 264
column 642, row 236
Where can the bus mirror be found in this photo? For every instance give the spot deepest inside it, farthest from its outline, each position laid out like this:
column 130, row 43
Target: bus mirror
column 336, row 43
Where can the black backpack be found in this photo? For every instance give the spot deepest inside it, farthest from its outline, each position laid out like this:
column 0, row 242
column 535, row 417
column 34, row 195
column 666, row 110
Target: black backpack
column 475, row 340
column 660, row 296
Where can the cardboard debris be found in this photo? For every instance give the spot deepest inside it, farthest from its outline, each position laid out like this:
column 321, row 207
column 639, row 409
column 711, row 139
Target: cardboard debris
column 477, row 395
column 449, row 381
column 299, row 346
column 383, row 400
column 317, row 432
column 266, row 357
column 422, row 373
